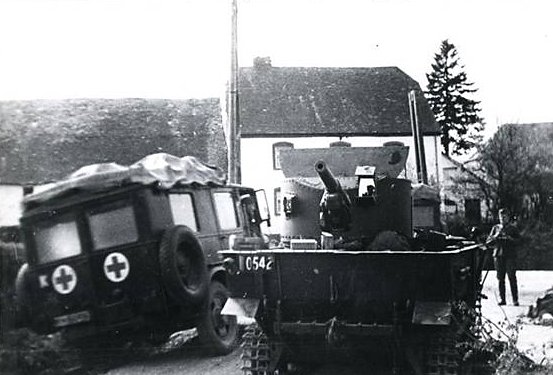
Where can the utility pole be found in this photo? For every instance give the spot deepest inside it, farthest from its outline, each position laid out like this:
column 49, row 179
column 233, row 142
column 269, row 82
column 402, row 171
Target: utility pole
column 234, row 170
column 420, row 156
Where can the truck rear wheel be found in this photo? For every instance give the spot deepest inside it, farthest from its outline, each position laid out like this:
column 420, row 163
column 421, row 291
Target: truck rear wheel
column 218, row 332
column 183, row 267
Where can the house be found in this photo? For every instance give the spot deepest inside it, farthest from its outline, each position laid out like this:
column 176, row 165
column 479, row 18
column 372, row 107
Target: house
column 460, row 194
column 45, row 140
column 299, row 107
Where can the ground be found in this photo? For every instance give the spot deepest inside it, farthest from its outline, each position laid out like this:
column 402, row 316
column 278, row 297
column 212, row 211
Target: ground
column 536, row 341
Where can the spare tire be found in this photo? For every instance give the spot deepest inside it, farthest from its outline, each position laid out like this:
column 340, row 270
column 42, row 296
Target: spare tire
column 183, row 266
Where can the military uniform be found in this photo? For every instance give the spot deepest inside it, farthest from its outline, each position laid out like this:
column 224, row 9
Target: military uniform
column 505, row 258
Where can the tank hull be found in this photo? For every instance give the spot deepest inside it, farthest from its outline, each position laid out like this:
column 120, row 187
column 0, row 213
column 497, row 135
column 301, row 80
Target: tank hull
column 356, row 287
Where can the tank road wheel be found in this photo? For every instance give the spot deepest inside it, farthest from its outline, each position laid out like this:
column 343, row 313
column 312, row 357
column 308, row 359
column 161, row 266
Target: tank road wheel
column 260, row 356
column 218, row 332
column 183, row 267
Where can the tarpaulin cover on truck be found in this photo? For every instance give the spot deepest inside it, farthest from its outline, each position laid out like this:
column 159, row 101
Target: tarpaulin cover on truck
column 164, row 169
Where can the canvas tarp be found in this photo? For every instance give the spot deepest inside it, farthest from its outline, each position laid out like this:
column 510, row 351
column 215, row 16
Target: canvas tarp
column 163, row 169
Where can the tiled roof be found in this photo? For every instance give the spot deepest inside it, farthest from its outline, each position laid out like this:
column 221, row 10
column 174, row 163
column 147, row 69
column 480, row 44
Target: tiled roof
column 45, row 140
column 277, row 101
column 539, row 127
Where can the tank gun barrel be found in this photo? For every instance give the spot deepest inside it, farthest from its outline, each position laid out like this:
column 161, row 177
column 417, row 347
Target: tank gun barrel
column 335, row 203
column 330, row 182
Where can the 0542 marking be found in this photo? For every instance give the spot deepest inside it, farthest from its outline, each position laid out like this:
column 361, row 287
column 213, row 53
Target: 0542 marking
column 256, row 263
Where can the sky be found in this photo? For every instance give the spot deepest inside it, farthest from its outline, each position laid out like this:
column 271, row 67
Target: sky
column 180, row 48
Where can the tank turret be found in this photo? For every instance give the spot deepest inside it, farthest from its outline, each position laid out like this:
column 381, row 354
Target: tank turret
column 335, row 215
column 353, row 193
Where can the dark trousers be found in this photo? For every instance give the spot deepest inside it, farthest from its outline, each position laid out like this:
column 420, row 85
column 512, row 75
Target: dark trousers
column 506, row 266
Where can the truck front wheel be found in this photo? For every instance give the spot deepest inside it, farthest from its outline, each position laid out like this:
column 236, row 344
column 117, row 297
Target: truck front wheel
column 218, row 333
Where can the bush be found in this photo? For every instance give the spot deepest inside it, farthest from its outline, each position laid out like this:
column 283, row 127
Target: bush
column 492, row 348
column 23, row 352
column 535, row 250
column 457, row 226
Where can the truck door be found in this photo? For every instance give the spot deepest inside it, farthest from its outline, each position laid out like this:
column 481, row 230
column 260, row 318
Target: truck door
column 61, row 284
column 225, row 204
column 194, row 209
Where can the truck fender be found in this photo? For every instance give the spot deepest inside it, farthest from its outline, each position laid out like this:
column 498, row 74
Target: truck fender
column 217, row 272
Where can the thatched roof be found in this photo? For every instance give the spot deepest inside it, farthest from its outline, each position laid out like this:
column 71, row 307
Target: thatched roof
column 45, row 140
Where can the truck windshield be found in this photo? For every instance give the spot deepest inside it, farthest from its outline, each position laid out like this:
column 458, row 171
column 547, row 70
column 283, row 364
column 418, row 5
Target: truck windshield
column 57, row 241
column 113, row 227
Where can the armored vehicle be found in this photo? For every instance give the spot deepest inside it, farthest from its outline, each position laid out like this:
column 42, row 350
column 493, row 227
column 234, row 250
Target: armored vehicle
column 117, row 251
column 354, row 277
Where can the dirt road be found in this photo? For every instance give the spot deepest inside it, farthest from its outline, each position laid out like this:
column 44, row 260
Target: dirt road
column 535, row 340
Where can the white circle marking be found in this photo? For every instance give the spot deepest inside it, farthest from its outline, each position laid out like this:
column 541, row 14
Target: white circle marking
column 64, row 279
column 116, row 267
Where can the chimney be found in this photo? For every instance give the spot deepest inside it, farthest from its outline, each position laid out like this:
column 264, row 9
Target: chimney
column 340, row 144
column 262, row 63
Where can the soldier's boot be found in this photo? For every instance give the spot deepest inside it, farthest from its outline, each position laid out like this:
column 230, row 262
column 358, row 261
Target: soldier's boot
column 501, row 292
column 514, row 291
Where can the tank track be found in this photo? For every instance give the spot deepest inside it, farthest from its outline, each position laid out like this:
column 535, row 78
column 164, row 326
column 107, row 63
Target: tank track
column 256, row 355
column 442, row 356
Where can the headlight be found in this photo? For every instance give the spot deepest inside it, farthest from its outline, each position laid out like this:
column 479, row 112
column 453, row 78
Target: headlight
column 230, row 266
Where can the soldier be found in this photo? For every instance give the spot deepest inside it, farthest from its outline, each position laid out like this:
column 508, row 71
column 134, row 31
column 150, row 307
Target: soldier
column 503, row 236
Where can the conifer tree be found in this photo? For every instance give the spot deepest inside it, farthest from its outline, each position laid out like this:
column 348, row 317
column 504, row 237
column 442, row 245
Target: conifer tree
column 449, row 95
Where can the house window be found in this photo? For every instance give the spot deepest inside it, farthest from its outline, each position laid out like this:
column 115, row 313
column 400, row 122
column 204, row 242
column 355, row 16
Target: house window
column 449, row 202
column 473, row 214
column 278, row 202
column 277, row 147
column 449, row 176
column 450, row 207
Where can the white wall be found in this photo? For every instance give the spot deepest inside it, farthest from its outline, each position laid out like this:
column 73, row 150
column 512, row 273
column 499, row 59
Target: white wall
column 257, row 161
column 450, row 172
column 10, row 204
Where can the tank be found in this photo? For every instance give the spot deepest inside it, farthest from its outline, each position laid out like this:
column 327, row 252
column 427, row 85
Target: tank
column 353, row 277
